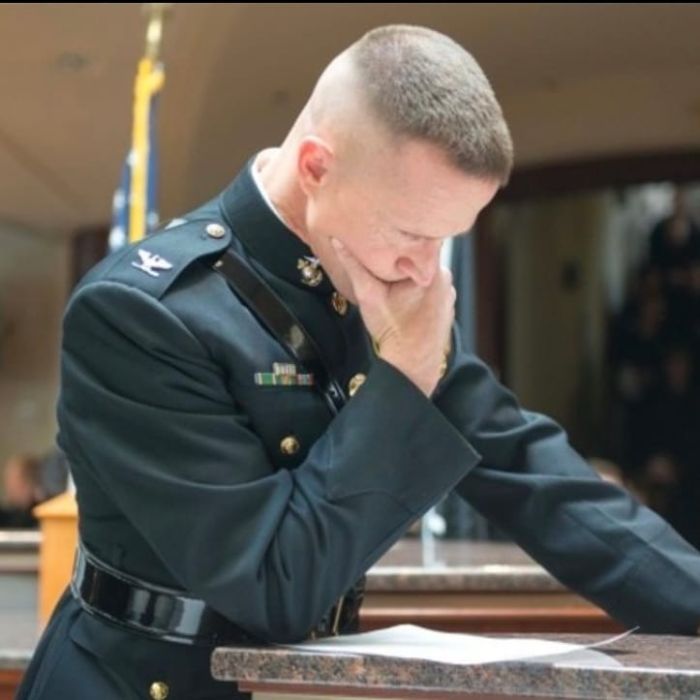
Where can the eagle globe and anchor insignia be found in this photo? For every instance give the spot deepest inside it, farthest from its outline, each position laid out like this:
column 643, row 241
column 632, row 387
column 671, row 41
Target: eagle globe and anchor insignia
column 311, row 273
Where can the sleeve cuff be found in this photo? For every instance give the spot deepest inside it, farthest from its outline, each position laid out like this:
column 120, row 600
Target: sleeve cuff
column 416, row 453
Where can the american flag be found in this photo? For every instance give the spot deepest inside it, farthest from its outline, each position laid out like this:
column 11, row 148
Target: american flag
column 135, row 206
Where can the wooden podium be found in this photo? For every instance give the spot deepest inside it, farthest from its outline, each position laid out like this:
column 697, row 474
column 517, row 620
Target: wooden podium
column 59, row 537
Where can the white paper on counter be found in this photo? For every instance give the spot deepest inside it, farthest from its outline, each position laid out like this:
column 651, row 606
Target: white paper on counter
column 413, row 642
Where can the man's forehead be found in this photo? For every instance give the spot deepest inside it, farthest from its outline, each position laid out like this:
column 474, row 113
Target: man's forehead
column 435, row 219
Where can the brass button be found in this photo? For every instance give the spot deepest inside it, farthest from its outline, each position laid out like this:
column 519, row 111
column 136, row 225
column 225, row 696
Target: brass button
column 215, row 230
column 340, row 304
column 289, row 445
column 311, row 274
column 159, row 690
column 355, row 383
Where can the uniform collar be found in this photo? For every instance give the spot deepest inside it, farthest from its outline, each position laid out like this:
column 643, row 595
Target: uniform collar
column 265, row 237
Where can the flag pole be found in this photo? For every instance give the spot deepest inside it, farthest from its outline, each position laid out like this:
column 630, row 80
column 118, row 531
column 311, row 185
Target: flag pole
column 149, row 80
column 157, row 12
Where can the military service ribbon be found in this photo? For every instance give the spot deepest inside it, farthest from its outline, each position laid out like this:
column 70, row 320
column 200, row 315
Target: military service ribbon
column 283, row 374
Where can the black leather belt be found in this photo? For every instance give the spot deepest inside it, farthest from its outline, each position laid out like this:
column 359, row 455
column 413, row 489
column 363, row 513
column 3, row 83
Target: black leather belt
column 171, row 615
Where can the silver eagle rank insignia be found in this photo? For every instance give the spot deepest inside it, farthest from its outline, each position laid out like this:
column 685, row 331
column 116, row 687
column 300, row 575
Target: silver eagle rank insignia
column 150, row 263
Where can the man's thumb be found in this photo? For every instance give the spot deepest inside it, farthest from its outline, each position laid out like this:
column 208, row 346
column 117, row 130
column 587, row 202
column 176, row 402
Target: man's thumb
column 362, row 280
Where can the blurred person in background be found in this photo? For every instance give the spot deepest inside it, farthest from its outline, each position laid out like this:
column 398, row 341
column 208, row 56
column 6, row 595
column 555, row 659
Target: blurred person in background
column 22, row 490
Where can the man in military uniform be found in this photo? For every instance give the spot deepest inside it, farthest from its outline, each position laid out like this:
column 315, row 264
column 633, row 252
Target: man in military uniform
column 258, row 401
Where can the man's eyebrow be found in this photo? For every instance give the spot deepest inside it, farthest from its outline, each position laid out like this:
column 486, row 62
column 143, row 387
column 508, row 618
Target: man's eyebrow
column 419, row 235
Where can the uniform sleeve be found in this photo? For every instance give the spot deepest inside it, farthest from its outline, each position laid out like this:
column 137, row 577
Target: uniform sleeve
column 591, row 535
column 147, row 413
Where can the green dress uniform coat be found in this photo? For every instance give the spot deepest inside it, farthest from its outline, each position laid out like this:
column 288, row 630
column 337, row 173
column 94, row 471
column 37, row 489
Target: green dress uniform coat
column 196, row 469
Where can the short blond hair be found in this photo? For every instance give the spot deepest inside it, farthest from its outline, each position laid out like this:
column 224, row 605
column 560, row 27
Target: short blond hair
column 422, row 84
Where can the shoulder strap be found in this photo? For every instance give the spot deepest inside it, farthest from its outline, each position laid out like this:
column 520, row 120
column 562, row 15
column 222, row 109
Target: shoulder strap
column 274, row 314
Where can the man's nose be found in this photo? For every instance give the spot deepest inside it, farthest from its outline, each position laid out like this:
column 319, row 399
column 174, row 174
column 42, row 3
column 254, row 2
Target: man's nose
column 423, row 263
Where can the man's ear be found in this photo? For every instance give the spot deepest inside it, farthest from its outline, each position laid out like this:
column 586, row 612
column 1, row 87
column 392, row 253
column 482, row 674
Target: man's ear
column 314, row 161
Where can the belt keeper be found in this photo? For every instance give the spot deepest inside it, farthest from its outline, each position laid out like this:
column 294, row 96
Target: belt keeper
column 336, row 618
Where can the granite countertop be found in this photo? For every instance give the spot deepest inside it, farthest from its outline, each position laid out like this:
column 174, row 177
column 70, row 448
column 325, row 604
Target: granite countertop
column 19, row 551
column 19, row 627
column 454, row 565
column 448, row 566
column 662, row 667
